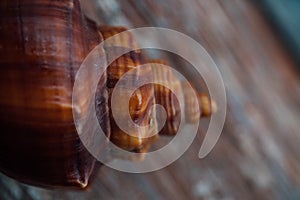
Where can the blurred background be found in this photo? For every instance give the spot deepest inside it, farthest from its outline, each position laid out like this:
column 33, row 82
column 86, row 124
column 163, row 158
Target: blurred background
column 256, row 46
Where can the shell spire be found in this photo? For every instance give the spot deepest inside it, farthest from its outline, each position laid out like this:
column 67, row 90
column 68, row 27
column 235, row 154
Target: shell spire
column 48, row 42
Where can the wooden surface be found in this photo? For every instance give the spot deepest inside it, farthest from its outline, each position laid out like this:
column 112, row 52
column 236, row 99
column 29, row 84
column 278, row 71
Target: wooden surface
column 285, row 17
column 257, row 156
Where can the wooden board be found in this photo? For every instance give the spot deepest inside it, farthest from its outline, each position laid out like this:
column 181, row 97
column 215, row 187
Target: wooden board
column 285, row 17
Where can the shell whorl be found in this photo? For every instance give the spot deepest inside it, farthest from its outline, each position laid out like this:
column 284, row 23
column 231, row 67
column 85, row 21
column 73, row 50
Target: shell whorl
column 49, row 41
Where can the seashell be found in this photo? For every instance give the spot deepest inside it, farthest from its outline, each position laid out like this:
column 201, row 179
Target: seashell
column 42, row 44
column 170, row 102
column 142, row 99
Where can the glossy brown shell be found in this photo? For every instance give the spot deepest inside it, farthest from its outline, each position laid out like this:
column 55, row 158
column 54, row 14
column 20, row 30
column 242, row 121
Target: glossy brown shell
column 42, row 44
column 142, row 99
column 49, row 40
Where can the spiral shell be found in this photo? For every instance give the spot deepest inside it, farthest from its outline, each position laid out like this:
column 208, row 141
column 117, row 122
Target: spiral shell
column 141, row 101
column 48, row 42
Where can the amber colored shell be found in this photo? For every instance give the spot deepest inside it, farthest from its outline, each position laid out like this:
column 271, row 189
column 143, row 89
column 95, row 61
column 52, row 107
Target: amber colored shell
column 42, row 44
column 141, row 101
column 205, row 104
column 170, row 101
column 165, row 97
